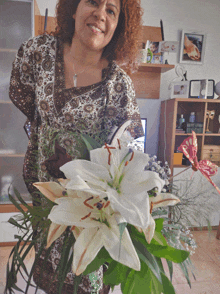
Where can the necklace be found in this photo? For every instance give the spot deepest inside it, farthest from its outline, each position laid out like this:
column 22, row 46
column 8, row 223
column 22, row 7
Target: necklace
column 75, row 76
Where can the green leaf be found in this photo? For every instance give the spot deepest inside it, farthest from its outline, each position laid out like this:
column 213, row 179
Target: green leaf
column 168, row 252
column 128, row 286
column 18, row 195
column 159, row 224
column 102, row 257
column 141, row 282
column 16, row 204
column 13, row 222
column 90, row 142
column 170, row 266
column 159, row 239
column 167, row 285
column 77, row 281
column 116, row 274
column 148, row 258
column 185, row 272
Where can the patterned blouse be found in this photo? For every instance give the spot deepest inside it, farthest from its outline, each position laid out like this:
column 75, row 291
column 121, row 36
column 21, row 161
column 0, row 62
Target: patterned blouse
column 56, row 116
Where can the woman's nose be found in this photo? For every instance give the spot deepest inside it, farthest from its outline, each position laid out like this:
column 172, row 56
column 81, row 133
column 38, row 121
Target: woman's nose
column 100, row 12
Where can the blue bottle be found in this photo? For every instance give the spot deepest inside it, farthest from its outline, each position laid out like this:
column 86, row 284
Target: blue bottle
column 192, row 117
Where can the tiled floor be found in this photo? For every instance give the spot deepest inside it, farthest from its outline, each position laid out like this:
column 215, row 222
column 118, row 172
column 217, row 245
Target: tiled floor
column 206, row 261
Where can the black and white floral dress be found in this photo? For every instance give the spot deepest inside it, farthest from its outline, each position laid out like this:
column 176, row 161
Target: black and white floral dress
column 56, row 117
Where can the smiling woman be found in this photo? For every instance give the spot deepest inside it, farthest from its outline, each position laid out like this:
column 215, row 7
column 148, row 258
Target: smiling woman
column 70, row 83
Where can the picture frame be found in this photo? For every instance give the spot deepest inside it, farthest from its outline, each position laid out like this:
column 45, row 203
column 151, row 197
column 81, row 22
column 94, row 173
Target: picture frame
column 157, row 58
column 192, row 47
column 195, row 89
column 180, row 89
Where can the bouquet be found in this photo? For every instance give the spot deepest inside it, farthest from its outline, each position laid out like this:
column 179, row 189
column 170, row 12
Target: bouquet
column 110, row 209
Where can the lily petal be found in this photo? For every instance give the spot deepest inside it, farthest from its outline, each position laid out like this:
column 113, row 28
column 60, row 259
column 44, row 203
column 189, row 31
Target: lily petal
column 86, row 248
column 135, row 211
column 71, row 212
column 51, row 190
column 124, row 253
column 164, row 199
column 145, row 181
column 149, row 231
column 90, row 172
column 55, row 231
column 76, row 183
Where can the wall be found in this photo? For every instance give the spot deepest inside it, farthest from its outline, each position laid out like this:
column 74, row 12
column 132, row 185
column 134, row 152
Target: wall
column 197, row 15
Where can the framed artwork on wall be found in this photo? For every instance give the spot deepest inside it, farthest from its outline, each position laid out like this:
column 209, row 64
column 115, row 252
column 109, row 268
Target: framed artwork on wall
column 180, row 89
column 192, row 47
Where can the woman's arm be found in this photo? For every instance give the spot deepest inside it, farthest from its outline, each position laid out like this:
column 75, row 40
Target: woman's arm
column 22, row 82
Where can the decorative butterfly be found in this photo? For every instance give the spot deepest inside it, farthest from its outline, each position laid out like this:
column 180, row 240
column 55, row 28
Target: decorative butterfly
column 189, row 148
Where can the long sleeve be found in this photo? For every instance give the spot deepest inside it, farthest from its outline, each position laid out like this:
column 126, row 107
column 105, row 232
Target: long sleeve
column 122, row 96
column 22, row 83
column 132, row 111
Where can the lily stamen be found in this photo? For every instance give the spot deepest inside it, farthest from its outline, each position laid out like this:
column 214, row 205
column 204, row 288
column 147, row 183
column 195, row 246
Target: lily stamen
column 86, row 204
column 88, row 215
column 119, row 144
column 132, row 156
column 107, row 204
column 109, row 151
column 151, row 207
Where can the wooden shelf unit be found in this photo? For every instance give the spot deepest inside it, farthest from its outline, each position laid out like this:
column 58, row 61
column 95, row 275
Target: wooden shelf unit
column 169, row 140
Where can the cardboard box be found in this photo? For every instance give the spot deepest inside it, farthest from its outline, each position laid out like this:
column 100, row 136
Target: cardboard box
column 212, row 153
column 177, row 158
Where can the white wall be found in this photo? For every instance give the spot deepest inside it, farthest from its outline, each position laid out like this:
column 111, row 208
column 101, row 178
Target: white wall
column 177, row 15
column 50, row 4
column 197, row 15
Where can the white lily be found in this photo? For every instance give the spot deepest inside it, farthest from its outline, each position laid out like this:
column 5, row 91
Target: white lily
column 54, row 191
column 161, row 200
column 100, row 229
column 119, row 174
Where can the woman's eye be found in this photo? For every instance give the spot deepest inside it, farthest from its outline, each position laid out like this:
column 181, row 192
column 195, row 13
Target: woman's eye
column 111, row 11
column 92, row 2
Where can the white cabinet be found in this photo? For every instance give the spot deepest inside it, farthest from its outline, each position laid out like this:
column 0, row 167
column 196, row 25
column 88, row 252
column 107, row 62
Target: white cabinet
column 17, row 26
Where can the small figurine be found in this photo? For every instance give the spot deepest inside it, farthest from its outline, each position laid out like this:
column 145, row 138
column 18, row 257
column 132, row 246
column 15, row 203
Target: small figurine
column 209, row 115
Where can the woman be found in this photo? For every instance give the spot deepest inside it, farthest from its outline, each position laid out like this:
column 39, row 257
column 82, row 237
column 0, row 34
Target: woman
column 69, row 83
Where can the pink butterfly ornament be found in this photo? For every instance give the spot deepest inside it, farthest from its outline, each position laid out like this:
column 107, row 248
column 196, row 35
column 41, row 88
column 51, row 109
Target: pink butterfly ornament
column 189, row 147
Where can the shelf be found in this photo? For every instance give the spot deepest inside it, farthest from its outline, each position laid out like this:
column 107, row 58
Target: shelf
column 212, row 135
column 159, row 68
column 187, row 135
column 181, row 166
column 195, row 100
column 11, row 155
column 5, row 102
column 8, row 50
column 170, row 139
column 7, row 208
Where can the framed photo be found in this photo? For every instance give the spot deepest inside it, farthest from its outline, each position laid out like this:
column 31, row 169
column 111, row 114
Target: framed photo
column 192, row 47
column 180, row 89
column 202, row 89
column 157, row 58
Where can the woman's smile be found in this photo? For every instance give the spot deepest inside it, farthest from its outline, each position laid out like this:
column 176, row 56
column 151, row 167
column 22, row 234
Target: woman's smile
column 95, row 23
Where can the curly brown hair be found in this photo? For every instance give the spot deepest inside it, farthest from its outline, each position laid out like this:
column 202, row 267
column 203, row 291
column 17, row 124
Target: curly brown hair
column 124, row 46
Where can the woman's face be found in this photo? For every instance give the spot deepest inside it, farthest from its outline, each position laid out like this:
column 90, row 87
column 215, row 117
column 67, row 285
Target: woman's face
column 95, row 22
